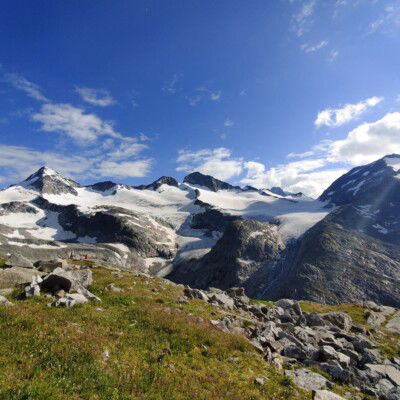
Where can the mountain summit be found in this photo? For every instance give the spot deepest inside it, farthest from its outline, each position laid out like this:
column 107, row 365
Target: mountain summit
column 49, row 181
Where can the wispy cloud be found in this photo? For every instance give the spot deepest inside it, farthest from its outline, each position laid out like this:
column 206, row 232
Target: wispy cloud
column 333, row 55
column 171, row 86
column 96, row 97
column 387, row 22
column 193, row 100
column 216, row 96
column 74, row 122
column 228, row 123
column 302, row 19
column 339, row 116
column 216, row 162
column 21, row 83
column 308, row 48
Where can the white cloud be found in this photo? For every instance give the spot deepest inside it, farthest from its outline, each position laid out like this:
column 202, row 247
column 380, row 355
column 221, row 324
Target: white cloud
column 215, row 96
column 300, row 155
column 83, row 128
column 171, row 86
column 369, row 141
column 21, row 161
column 299, row 176
column 308, row 48
column 18, row 162
column 387, row 22
column 339, row 116
column 133, row 169
column 228, row 123
column 193, row 100
column 216, row 162
column 21, row 83
column 302, row 20
column 96, row 97
column 333, row 55
column 126, row 150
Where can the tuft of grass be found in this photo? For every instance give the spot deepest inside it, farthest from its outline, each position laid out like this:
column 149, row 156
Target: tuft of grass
column 157, row 349
column 83, row 263
column 2, row 263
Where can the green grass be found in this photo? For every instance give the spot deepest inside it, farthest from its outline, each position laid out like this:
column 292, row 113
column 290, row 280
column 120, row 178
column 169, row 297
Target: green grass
column 158, row 349
column 83, row 263
column 2, row 263
column 356, row 312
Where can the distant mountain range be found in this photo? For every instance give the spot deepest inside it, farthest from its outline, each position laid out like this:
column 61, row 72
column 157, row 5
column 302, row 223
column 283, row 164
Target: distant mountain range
column 342, row 247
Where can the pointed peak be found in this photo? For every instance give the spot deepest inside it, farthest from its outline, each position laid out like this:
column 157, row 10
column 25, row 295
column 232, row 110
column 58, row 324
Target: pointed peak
column 41, row 172
column 49, row 181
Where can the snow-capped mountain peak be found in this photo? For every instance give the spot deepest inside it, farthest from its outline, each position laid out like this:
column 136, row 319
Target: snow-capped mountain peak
column 48, row 181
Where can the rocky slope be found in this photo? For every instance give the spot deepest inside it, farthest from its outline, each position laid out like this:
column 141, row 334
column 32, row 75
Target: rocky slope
column 108, row 330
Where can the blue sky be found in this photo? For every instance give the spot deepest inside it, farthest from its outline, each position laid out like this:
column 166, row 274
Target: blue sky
column 283, row 92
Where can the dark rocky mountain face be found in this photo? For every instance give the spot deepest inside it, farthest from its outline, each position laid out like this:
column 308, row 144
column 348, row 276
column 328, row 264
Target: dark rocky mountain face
column 236, row 256
column 164, row 180
column 374, row 183
column 47, row 181
column 102, row 186
column 197, row 178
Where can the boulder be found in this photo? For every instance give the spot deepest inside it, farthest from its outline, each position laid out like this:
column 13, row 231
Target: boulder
column 70, row 300
column 54, row 282
column 5, row 302
column 222, row 299
column 307, row 379
column 371, row 356
column 341, row 320
column 112, row 288
column 50, row 265
column 16, row 276
column 16, row 260
column 387, row 371
column 67, row 280
column 375, row 318
column 394, row 323
column 325, row 395
column 33, row 289
column 195, row 294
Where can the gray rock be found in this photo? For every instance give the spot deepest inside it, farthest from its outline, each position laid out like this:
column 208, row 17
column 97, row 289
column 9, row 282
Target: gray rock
column 16, row 276
column 182, row 300
column 260, row 380
column 67, row 280
column 195, row 294
column 89, row 295
column 394, row 323
column 385, row 386
column 307, row 379
column 388, row 371
column 70, row 300
column 362, row 343
column 112, row 288
column 314, row 319
column 222, row 299
column 325, row 395
column 50, row 265
column 371, row 356
column 5, row 302
column 372, row 306
column 33, row 289
column 17, row 260
column 341, row 320
column 375, row 318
